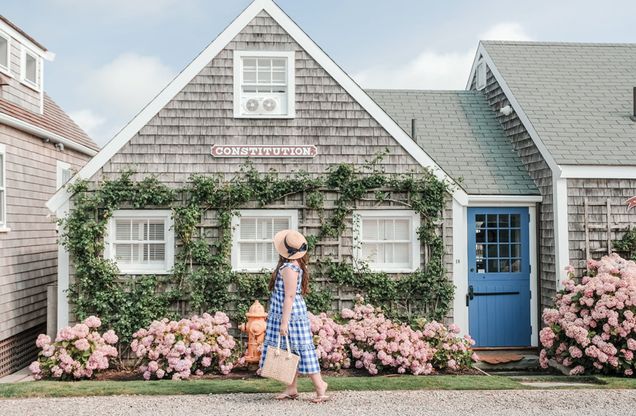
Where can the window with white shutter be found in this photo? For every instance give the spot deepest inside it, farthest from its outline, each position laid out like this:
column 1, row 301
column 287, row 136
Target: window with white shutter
column 387, row 240
column 480, row 75
column 264, row 84
column 5, row 53
column 141, row 241
column 253, row 231
column 63, row 174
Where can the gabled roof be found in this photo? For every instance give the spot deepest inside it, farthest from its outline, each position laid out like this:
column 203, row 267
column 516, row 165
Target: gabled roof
column 53, row 119
column 22, row 32
column 459, row 130
column 577, row 96
column 209, row 53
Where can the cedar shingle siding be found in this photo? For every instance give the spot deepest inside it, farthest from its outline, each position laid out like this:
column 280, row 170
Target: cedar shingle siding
column 28, row 253
column 597, row 193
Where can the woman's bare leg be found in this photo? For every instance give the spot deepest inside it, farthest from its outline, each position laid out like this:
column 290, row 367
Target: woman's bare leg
column 291, row 390
column 320, row 385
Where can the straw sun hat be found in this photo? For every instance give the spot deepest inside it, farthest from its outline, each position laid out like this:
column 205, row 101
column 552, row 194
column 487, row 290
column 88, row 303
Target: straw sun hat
column 290, row 244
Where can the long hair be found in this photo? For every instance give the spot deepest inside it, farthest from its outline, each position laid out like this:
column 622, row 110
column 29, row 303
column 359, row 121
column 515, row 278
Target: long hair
column 302, row 262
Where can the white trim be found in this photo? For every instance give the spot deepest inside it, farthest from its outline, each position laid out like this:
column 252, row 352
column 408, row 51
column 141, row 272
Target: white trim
column 37, row 86
column 25, row 41
column 3, row 185
column 535, row 296
column 59, row 173
column 290, row 57
column 499, row 200
column 561, row 226
column 7, row 70
column 598, row 172
column 63, row 276
column 45, row 134
column 292, row 214
column 481, row 75
column 313, row 50
column 166, row 216
column 460, row 266
column 415, row 255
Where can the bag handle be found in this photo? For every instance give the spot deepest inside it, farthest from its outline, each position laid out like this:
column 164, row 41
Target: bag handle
column 289, row 353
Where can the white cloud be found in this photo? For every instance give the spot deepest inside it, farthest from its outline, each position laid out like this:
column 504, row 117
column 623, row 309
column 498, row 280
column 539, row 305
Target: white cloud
column 433, row 69
column 127, row 83
column 114, row 93
column 505, row 31
column 429, row 70
column 88, row 120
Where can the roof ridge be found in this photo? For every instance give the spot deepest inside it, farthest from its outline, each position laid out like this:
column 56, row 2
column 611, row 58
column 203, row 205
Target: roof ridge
column 557, row 43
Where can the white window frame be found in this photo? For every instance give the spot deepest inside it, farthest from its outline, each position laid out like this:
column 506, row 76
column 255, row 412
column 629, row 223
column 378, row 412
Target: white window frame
column 139, row 269
column 59, row 177
column 481, row 75
column 292, row 214
column 388, row 214
column 38, row 70
column 290, row 56
column 6, row 70
column 3, row 189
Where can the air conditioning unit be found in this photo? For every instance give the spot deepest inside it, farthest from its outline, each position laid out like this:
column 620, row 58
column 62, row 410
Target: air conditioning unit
column 264, row 105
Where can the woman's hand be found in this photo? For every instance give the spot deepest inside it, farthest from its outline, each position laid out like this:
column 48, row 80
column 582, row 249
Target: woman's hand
column 284, row 329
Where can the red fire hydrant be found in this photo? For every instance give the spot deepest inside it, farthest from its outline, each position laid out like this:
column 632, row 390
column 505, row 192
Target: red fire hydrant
column 255, row 329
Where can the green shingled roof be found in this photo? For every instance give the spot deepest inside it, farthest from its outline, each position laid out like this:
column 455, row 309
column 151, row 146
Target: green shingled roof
column 460, row 132
column 578, row 97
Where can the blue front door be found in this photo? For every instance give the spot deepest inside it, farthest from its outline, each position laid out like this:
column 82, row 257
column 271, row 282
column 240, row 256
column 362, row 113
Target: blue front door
column 498, row 295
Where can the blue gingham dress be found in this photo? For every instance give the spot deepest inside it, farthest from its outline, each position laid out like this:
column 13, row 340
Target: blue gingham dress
column 300, row 336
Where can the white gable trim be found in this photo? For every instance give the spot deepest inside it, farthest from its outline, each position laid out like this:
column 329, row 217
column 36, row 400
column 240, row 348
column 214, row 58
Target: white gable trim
column 598, row 172
column 481, row 52
column 176, row 85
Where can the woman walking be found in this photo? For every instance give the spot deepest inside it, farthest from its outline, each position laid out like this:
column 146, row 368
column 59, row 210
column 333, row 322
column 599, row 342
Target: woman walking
column 288, row 312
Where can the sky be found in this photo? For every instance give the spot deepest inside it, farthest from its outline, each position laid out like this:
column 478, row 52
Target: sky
column 114, row 56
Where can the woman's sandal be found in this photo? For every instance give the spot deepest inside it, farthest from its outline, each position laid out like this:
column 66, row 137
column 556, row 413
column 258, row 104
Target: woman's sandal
column 320, row 399
column 285, row 396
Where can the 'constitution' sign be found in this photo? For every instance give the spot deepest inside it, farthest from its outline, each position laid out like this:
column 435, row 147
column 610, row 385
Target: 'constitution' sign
column 264, row 151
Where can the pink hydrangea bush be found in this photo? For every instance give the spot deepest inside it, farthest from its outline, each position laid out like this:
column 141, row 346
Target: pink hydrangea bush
column 78, row 352
column 451, row 351
column 369, row 340
column 378, row 344
column 178, row 349
column 331, row 341
column 593, row 325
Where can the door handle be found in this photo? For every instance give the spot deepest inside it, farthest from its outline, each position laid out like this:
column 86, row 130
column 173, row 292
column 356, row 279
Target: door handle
column 470, row 295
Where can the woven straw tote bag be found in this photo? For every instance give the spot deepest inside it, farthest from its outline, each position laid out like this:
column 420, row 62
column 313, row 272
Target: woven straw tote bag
column 279, row 364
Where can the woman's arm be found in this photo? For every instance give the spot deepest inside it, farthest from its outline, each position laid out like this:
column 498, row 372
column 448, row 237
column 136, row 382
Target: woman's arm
column 290, row 280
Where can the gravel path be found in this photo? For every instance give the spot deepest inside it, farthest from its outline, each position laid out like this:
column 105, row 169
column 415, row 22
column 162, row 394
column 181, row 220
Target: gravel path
column 508, row 403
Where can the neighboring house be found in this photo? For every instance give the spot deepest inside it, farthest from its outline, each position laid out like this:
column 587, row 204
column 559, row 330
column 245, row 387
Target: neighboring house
column 263, row 81
column 39, row 147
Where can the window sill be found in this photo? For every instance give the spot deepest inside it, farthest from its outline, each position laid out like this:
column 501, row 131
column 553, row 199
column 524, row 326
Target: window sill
column 4, row 229
column 30, row 85
column 266, row 116
column 143, row 272
column 265, row 269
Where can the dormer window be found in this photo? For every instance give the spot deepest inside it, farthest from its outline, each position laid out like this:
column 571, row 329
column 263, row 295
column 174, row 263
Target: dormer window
column 4, row 53
column 30, row 69
column 264, row 84
column 480, row 75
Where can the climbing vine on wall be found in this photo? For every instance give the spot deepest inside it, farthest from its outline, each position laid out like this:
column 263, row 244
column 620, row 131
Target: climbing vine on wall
column 202, row 275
